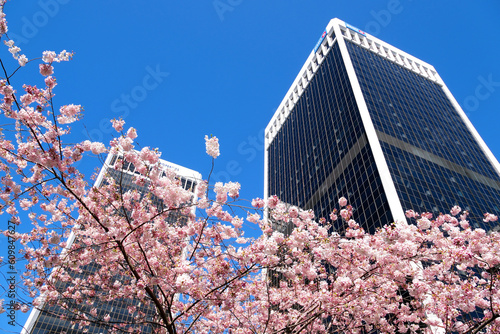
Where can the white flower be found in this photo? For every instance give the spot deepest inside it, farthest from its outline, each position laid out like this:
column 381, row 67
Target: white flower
column 22, row 60
column 14, row 49
column 183, row 282
column 64, row 55
column 49, row 56
column 212, row 146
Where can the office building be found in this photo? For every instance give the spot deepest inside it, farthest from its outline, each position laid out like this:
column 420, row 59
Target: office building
column 369, row 122
column 48, row 319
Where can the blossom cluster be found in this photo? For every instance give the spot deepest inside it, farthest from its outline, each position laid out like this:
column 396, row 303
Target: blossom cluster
column 180, row 260
column 212, row 146
column 15, row 51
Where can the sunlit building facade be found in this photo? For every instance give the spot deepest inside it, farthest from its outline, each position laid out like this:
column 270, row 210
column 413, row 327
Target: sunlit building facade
column 369, row 122
column 48, row 319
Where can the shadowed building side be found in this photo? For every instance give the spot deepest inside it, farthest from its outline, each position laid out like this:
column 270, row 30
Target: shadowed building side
column 55, row 319
column 369, row 122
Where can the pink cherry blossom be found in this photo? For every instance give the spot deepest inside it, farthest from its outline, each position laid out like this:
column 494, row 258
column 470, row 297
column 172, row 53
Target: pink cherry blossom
column 488, row 217
column 293, row 212
column 185, row 254
column 410, row 214
column 132, row 133
column 46, row 69
column 237, row 222
column 22, row 60
column 423, row 223
column 49, row 57
column 118, row 124
column 233, row 189
column 455, row 210
column 50, row 82
column 97, row 148
column 258, row 203
column 212, row 146
column 221, row 192
column 272, row 201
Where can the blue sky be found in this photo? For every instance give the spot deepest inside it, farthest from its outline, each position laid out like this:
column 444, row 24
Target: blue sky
column 178, row 70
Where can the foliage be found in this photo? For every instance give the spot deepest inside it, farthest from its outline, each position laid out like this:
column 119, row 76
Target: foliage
column 174, row 271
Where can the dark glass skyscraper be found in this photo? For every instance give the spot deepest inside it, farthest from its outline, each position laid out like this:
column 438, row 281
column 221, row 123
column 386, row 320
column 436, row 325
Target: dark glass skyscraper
column 55, row 319
column 372, row 123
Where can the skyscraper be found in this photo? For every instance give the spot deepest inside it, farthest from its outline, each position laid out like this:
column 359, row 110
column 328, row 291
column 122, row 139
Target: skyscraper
column 370, row 122
column 49, row 320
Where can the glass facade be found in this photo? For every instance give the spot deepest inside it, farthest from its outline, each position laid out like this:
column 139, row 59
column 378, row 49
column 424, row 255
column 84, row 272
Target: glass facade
column 56, row 319
column 322, row 151
column 434, row 160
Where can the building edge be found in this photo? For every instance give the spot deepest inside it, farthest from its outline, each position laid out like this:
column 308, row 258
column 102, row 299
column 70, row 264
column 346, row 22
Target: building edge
column 180, row 170
column 336, row 32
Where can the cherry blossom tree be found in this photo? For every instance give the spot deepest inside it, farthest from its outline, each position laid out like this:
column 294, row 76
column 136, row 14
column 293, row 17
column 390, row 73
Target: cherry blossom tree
column 91, row 247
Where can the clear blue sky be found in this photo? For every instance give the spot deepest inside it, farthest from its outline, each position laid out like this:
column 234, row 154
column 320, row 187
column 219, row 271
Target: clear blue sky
column 177, row 70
